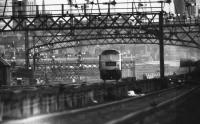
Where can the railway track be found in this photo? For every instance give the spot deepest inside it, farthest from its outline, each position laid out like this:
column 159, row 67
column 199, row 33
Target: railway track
column 109, row 112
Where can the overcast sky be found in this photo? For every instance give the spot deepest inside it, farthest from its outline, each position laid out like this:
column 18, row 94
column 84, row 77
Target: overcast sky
column 83, row 1
column 39, row 2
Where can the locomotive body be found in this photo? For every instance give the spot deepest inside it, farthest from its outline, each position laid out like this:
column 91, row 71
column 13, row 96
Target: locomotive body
column 110, row 65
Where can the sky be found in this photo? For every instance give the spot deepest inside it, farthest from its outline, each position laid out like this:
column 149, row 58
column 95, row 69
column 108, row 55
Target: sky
column 52, row 2
column 83, row 1
column 167, row 8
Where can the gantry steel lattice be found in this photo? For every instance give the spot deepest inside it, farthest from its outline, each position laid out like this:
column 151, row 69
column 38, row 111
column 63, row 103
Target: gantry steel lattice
column 64, row 27
column 73, row 25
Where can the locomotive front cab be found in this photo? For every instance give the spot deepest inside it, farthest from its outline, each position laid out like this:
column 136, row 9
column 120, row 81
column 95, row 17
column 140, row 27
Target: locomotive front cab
column 110, row 65
column 110, row 74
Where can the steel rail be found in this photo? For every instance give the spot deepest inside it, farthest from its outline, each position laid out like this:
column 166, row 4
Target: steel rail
column 139, row 116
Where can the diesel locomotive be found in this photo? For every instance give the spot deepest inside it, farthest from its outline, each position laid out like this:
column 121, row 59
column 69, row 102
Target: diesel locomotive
column 110, row 65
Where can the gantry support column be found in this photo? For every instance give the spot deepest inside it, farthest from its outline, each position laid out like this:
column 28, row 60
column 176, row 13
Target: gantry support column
column 27, row 49
column 34, row 54
column 161, row 45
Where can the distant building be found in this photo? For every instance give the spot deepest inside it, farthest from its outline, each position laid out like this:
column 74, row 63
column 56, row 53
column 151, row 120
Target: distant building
column 24, row 7
column 179, row 6
column 197, row 9
column 190, row 6
column 31, row 8
column 187, row 8
column 18, row 7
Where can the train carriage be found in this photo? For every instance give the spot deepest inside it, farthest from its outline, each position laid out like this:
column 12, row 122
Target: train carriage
column 110, row 65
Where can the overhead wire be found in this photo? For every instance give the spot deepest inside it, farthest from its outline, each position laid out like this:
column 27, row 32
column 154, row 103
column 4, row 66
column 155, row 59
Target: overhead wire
column 5, row 7
column 99, row 6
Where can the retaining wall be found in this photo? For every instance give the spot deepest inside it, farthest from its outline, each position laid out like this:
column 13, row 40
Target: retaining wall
column 15, row 104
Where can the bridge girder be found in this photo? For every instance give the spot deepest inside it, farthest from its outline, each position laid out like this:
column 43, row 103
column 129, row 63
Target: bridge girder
column 187, row 36
column 63, row 31
column 56, row 31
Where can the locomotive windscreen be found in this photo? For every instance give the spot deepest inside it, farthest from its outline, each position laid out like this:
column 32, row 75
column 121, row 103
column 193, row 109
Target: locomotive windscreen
column 110, row 57
column 110, row 63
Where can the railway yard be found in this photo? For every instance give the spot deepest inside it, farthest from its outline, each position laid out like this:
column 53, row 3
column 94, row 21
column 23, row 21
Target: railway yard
column 94, row 62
